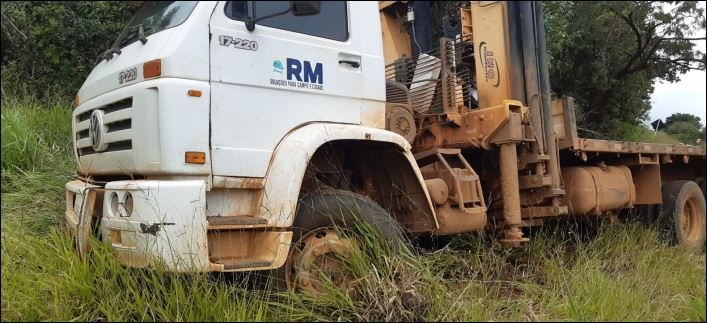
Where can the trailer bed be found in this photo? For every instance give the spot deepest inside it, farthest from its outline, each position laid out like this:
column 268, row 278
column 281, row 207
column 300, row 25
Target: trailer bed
column 616, row 146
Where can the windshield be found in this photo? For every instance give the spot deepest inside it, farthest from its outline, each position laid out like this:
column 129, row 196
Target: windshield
column 155, row 16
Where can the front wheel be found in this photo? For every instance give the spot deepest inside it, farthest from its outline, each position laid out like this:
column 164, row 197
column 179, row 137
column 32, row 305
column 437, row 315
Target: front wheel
column 327, row 230
column 683, row 214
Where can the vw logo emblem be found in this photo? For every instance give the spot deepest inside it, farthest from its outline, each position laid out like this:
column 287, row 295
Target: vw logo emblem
column 97, row 131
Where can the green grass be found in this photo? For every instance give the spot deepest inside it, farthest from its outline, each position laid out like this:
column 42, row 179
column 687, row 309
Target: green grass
column 622, row 273
column 35, row 135
column 640, row 133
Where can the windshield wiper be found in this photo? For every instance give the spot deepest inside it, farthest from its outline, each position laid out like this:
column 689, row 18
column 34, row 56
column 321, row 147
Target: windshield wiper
column 122, row 40
column 139, row 32
column 107, row 55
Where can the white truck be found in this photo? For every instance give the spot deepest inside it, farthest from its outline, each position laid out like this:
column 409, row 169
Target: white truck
column 195, row 138
column 235, row 135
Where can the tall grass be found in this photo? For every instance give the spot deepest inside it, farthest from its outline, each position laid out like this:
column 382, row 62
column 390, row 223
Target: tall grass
column 35, row 135
column 638, row 133
column 622, row 273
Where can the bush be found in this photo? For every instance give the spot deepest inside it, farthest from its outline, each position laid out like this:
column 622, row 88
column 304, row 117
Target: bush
column 49, row 47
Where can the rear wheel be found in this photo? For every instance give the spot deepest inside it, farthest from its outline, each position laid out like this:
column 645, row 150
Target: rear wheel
column 327, row 231
column 683, row 214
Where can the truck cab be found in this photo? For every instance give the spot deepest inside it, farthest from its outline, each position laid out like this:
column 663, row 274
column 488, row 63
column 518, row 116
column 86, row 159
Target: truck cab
column 199, row 131
column 248, row 88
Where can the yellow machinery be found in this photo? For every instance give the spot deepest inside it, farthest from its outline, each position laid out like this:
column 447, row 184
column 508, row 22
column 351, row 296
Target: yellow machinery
column 483, row 96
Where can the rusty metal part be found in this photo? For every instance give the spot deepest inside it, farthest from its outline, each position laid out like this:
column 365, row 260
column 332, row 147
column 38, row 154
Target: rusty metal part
column 93, row 207
column 513, row 236
column 513, row 130
column 534, row 181
column 248, row 183
column 453, row 220
column 251, row 249
column 592, row 190
column 84, row 205
column 392, row 184
column 691, row 219
column 646, row 179
column 316, row 258
column 474, row 129
column 399, row 119
column 614, row 146
column 528, row 159
column 511, row 194
column 235, row 202
column 438, row 189
column 564, row 120
column 455, row 187
column 238, row 220
column 463, row 182
column 543, row 211
column 536, row 196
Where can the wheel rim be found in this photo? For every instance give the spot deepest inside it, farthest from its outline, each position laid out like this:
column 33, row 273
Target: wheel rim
column 316, row 258
column 690, row 219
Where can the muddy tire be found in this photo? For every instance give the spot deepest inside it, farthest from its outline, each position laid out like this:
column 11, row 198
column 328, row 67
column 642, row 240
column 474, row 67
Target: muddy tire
column 682, row 215
column 325, row 223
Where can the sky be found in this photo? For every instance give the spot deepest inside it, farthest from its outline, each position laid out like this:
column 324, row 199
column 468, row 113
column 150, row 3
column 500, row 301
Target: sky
column 686, row 96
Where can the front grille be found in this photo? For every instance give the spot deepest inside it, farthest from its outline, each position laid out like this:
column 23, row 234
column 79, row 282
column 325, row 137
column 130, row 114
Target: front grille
column 115, row 146
column 108, row 108
column 117, row 119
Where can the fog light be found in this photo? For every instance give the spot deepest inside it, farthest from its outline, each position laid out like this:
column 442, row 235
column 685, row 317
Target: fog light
column 114, row 204
column 128, row 204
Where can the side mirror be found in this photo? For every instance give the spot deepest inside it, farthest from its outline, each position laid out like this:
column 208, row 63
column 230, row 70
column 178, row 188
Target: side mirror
column 298, row 8
column 305, row 8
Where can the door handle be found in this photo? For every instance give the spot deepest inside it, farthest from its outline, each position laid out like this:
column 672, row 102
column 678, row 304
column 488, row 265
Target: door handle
column 350, row 62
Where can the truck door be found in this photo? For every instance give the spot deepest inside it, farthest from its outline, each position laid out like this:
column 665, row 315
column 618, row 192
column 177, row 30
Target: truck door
column 287, row 72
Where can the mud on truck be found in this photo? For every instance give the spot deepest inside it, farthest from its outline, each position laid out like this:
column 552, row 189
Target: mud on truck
column 235, row 135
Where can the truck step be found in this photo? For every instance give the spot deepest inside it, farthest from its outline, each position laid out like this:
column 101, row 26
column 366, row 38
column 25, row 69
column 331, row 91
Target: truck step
column 235, row 263
column 235, row 220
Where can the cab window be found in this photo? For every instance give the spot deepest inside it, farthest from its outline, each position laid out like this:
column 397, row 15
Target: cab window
column 330, row 23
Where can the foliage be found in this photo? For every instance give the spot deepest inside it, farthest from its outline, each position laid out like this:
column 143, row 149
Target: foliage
column 686, row 132
column 683, row 117
column 685, row 127
column 50, row 47
column 608, row 55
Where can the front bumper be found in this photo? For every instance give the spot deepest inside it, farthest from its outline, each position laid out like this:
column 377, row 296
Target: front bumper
column 165, row 226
